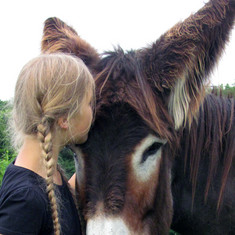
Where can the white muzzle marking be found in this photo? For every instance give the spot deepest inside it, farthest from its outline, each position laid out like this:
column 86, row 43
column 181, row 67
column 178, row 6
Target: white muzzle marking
column 101, row 225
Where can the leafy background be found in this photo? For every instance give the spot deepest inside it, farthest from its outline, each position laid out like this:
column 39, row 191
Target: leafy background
column 7, row 153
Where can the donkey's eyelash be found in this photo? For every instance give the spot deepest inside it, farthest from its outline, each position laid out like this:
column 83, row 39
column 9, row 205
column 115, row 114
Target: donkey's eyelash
column 151, row 150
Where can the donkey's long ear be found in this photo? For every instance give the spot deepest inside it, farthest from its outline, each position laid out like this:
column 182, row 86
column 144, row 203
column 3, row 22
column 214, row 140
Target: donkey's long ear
column 182, row 58
column 59, row 37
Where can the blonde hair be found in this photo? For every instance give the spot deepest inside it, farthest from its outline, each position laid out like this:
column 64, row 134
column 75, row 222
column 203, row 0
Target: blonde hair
column 48, row 87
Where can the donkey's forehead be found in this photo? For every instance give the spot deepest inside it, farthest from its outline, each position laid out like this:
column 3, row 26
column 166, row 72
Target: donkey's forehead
column 122, row 80
column 118, row 73
column 116, row 125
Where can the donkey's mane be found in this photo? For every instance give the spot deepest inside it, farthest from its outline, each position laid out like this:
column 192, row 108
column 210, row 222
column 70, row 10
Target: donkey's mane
column 122, row 80
column 211, row 136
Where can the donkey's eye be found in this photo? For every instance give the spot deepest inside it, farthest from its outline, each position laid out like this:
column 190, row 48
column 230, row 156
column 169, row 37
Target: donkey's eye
column 147, row 157
column 151, row 150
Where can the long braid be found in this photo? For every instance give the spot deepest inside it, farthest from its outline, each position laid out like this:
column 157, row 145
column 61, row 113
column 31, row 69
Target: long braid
column 45, row 137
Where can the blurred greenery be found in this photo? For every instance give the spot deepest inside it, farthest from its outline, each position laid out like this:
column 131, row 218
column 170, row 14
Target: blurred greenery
column 7, row 153
column 173, row 233
column 66, row 162
column 5, row 142
column 224, row 90
column 5, row 160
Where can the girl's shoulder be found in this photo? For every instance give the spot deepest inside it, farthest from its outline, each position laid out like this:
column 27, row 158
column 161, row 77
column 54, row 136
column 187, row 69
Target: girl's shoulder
column 23, row 201
column 23, row 196
column 22, row 185
column 19, row 178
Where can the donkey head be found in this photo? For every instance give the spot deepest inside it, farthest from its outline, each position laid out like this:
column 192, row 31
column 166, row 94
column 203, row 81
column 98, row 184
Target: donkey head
column 144, row 99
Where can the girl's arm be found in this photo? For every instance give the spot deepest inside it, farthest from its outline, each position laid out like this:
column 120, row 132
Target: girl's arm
column 71, row 182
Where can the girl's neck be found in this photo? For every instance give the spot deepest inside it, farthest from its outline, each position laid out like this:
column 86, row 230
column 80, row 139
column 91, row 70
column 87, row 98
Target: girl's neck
column 30, row 157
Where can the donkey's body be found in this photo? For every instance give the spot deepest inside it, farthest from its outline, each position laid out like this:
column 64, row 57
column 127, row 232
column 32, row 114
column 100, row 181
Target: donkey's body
column 146, row 101
column 203, row 173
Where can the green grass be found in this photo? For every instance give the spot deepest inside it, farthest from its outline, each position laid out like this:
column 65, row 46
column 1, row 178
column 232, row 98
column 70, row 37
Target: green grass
column 5, row 160
column 173, row 233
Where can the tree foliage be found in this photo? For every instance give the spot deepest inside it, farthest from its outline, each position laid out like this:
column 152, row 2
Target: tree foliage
column 5, row 143
column 66, row 161
column 7, row 153
column 224, row 90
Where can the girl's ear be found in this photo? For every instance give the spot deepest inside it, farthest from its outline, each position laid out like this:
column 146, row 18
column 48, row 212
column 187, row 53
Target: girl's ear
column 63, row 122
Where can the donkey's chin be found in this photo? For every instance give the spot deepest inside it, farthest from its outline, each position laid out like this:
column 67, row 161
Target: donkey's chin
column 102, row 225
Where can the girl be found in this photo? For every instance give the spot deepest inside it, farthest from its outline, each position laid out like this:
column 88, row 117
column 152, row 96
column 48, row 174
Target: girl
column 52, row 107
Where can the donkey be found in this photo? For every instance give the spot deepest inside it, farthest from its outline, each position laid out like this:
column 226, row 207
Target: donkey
column 161, row 151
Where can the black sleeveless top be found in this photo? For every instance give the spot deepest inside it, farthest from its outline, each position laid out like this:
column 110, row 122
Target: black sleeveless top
column 25, row 207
